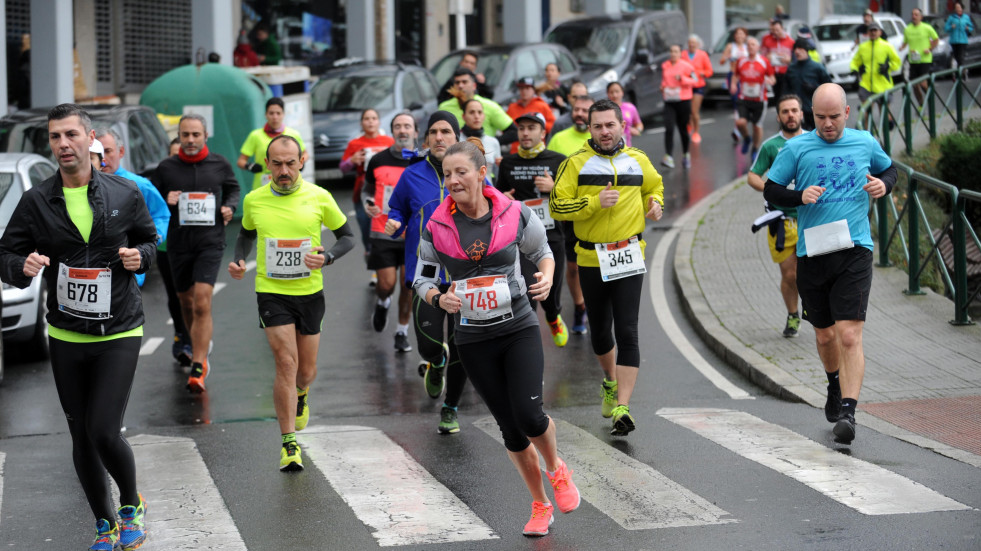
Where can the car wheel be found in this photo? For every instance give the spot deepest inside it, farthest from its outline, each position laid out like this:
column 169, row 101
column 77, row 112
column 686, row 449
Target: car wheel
column 39, row 342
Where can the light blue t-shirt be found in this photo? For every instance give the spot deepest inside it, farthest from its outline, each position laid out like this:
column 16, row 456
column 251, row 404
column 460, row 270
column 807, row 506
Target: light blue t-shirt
column 840, row 168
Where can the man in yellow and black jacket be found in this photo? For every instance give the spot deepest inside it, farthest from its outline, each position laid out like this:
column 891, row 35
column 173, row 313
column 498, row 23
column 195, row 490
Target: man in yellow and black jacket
column 874, row 62
column 607, row 190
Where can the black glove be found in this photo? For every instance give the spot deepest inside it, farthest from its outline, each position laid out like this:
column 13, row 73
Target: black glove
column 861, row 70
column 884, row 69
column 254, row 168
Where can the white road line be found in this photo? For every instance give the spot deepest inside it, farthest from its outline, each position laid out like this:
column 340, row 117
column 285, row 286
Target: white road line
column 170, row 321
column 250, row 265
column 150, row 346
column 633, row 494
column 1, row 480
column 867, row 488
column 658, row 130
column 186, row 509
column 388, row 490
column 671, row 329
column 219, row 286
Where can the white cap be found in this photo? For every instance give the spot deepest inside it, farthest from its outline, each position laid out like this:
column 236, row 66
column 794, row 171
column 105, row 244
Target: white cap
column 96, row 147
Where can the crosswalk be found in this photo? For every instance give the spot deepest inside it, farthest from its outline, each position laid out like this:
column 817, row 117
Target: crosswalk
column 400, row 503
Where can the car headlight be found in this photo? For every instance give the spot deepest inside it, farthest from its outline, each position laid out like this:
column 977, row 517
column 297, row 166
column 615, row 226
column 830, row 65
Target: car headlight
column 599, row 83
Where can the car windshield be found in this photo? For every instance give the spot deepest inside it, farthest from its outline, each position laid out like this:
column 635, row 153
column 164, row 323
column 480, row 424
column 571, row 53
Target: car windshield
column 25, row 137
column 605, row 45
column 720, row 46
column 835, row 31
column 10, row 187
column 354, row 93
column 489, row 64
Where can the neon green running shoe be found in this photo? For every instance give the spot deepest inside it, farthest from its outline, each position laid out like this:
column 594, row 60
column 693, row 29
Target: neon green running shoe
column 434, row 380
column 560, row 335
column 302, row 409
column 289, row 457
column 448, row 423
column 623, row 423
column 609, row 392
column 132, row 529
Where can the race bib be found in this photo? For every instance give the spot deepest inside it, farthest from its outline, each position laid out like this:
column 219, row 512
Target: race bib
column 540, row 208
column 672, row 93
column 621, row 259
column 914, row 56
column 85, row 292
column 197, row 209
column 828, row 238
column 284, row 258
column 775, row 59
column 486, row 300
column 752, row 90
column 386, row 195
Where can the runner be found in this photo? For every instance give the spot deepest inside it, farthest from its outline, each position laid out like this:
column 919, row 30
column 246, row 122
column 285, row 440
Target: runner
column 476, row 236
column 778, row 47
column 678, row 77
column 286, row 216
column 258, row 140
column 473, row 125
column 527, row 176
column 836, row 171
column 781, row 222
column 89, row 232
column 387, row 256
column 614, row 92
column 202, row 192
column 733, row 52
column 419, row 191
column 607, row 190
column 355, row 159
column 750, row 78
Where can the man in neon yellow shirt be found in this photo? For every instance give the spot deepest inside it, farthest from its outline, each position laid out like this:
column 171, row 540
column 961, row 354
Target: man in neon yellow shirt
column 286, row 216
column 495, row 117
column 258, row 140
column 921, row 39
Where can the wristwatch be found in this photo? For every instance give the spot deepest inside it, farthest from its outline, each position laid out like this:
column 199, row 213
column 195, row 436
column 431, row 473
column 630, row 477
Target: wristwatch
column 328, row 258
column 435, row 301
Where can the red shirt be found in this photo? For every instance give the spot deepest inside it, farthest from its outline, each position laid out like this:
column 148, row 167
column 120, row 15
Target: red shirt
column 773, row 48
column 376, row 144
column 752, row 73
column 537, row 104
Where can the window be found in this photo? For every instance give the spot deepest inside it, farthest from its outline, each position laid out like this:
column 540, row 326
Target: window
column 136, row 151
column 566, row 63
column 426, row 85
column 525, row 66
column 410, row 91
column 41, row 172
column 545, row 56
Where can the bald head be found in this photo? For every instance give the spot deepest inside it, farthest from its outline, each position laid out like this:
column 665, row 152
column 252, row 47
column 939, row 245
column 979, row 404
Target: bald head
column 830, row 111
column 830, row 93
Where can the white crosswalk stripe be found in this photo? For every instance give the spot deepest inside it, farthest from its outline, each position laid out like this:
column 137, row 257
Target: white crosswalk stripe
column 865, row 487
column 2, row 457
column 388, row 490
column 633, row 494
column 185, row 510
column 150, row 346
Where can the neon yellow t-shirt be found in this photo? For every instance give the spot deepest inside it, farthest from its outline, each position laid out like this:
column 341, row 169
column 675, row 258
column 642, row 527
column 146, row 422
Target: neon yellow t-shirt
column 255, row 146
column 917, row 39
column 299, row 215
column 80, row 212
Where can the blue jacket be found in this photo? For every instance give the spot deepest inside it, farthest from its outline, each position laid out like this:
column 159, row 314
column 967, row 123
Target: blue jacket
column 417, row 194
column 958, row 28
column 154, row 203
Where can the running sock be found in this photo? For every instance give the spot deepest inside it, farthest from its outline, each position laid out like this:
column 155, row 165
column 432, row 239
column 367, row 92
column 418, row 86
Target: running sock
column 848, row 405
column 581, row 307
column 302, row 391
column 833, row 380
column 445, row 405
column 403, row 329
column 289, row 437
column 386, row 303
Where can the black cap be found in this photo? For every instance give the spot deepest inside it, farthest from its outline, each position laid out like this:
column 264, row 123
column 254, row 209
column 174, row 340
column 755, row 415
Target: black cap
column 526, row 81
column 460, row 71
column 802, row 43
column 444, row 116
column 533, row 116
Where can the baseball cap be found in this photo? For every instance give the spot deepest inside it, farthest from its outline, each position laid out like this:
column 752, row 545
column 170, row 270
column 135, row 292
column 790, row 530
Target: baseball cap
column 96, row 147
column 867, row 12
column 874, row 26
column 526, row 81
column 533, row 116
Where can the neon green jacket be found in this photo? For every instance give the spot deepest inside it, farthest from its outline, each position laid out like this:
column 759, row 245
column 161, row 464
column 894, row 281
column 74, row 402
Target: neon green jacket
column 867, row 61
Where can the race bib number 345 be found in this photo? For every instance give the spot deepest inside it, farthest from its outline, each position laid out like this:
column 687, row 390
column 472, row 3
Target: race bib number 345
column 284, row 258
column 85, row 292
column 620, row 259
column 486, row 300
column 196, row 209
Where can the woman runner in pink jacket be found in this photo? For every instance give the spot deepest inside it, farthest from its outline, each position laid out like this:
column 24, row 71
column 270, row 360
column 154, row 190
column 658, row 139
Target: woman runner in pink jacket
column 677, row 80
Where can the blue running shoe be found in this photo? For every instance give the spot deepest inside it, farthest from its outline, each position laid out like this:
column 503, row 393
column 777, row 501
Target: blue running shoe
column 107, row 538
column 746, row 141
column 132, row 530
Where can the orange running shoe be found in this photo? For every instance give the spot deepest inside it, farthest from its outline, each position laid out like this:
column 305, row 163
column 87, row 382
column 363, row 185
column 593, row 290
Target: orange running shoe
column 541, row 519
column 566, row 493
column 199, row 372
column 696, row 138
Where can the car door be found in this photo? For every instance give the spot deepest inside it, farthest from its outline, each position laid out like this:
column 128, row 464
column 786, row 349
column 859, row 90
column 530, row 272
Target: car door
column 646, row 71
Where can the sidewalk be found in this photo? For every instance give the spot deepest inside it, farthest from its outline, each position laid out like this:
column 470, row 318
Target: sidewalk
column 922, row 375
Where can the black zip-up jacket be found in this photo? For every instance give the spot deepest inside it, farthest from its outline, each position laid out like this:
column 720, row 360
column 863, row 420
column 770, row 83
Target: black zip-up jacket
column 41, row 223
column 213, row 174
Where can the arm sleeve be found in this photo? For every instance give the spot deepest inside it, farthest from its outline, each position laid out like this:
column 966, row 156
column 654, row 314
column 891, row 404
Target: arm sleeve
column 17, row 242
column 427, row 268
column 504, row 181
column 564, row 202
column 534, row 242
column 244, row 244
column 777, row 194
column 368, row 189
column 345, row 241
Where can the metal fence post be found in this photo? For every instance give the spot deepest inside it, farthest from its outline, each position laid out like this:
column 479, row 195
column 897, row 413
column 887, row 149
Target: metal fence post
column 960, row 264
column 908, row 116
column 913, row 245
column 932, row 107
column 959, row 87
column 885, row 131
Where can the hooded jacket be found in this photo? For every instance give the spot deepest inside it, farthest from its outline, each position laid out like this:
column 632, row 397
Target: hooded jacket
column 869, row 60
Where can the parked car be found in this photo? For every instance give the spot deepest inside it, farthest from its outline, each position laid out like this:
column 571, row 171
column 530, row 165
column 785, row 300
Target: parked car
column 340, row 96
column 716, row 84
column 145, row 139
column 628, row 48
column 24, row 309
column 503, row 64
column 837, row 34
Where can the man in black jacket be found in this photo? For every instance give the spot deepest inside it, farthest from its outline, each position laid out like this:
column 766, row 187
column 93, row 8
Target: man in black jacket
column 88, row 232
column 202, row 192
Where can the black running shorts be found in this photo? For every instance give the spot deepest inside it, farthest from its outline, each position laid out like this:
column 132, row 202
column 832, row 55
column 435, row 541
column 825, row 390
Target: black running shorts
column 752, row 111
column 386, row 253
column 190, row 267
column 305, row 312
column 835, row 286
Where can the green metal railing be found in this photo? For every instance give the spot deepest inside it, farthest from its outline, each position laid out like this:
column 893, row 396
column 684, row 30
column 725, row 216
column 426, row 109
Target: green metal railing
column 891, row 212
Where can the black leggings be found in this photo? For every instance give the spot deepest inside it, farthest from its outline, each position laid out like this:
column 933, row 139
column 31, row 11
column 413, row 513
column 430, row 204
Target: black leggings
column 676, row 113
column 617, row 300
column 429, row 336
column 553, row 302
column 507, row 372
column 93, row 382
column 173, row 303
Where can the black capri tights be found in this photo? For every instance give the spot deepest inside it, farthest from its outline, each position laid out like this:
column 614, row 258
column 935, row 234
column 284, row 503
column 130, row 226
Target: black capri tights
column 612, row 308
column 507, row 373
column 93, row 382
column 676, row 113
column 429, row 323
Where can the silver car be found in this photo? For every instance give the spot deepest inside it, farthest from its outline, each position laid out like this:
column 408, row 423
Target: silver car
column 24, row 310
